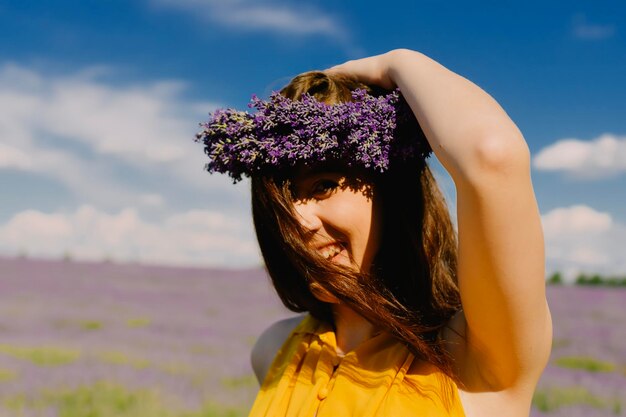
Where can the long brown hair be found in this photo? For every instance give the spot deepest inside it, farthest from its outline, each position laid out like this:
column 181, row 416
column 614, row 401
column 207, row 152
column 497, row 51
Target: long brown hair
column 411, row 290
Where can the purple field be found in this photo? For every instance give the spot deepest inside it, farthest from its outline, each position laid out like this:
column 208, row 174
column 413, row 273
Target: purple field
column 101, row 340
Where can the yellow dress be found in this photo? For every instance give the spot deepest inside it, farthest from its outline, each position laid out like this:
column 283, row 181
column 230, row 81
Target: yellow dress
column 380, row 377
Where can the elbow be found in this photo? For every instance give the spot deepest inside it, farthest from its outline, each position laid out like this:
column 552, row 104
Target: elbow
column 496, row 156
column 502, row 154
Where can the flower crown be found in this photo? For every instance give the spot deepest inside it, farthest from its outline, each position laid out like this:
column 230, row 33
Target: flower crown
column 368, row 132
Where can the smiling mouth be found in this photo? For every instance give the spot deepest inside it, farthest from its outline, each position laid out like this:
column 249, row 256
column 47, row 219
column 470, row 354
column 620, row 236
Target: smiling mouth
column 331, row 250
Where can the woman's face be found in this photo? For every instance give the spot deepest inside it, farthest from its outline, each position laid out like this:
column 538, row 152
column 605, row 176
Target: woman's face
column 339, row 212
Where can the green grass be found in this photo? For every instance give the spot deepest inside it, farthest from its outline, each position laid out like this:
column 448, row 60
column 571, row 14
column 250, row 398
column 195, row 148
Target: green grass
column 174, row 368
column 551, row 399
column 239, row 382
column 91, row 325
column 559, row 343
column 584, row 363
column 203, row 350
column 106, row 399
column 138, row 322
column 42, row 355
column 120, row 358
column 7, row 375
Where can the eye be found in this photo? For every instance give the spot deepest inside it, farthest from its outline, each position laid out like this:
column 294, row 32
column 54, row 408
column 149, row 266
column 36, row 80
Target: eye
column 323, row 188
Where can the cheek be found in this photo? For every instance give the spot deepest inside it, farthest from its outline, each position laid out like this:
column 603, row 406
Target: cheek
column 370, row 230
column 359, row 220
column 354, row 214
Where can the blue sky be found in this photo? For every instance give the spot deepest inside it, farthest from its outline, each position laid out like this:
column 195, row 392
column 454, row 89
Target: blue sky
column 99, row 101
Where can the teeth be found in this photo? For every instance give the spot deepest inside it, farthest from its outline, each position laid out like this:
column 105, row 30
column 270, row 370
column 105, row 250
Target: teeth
column 331, row 251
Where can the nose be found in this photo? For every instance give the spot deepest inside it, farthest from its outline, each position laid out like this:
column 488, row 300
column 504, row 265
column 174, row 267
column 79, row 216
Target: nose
column 307, row 215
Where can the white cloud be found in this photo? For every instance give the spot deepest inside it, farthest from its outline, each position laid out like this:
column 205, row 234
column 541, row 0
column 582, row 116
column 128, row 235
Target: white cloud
column 601, row 157
column 11, row 157
column 582, row 239
column 151, row 199
column 197, row 237
column 246, row 15
column 575, row 220
column 136, row 123
column 582, row 29
column 123, row 150
column 78, row 130
column 118, row 122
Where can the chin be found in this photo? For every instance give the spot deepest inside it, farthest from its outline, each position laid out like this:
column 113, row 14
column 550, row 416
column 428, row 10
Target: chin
column 322, row 295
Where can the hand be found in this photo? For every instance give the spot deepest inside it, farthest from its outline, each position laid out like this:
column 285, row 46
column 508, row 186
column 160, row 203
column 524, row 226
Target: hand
column 372, row 70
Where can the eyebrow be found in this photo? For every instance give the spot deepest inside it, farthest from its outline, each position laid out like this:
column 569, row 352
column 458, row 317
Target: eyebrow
column 333, row 168
column 312, row 176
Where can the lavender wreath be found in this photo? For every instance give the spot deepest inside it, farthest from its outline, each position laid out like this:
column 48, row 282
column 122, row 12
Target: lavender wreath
column 369, row 132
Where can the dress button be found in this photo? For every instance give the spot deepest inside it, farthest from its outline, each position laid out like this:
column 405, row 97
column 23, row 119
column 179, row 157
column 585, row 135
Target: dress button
column 322, row 393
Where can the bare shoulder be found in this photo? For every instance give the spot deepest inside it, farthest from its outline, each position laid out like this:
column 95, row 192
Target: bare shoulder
column 268, row 344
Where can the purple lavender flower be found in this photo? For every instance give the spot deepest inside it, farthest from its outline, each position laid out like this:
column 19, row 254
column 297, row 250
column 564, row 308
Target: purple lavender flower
column 368, row 132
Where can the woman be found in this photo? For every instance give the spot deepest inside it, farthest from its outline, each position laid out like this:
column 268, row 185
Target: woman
column 398, row 324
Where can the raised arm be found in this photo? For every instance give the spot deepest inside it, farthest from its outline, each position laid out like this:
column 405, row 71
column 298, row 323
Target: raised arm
column 501, row 252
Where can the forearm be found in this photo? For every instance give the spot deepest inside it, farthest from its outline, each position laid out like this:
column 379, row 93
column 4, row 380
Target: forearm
column 468, row 130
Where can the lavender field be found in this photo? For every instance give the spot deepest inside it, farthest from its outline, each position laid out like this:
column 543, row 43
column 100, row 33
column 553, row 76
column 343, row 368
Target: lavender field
column 106, row 340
